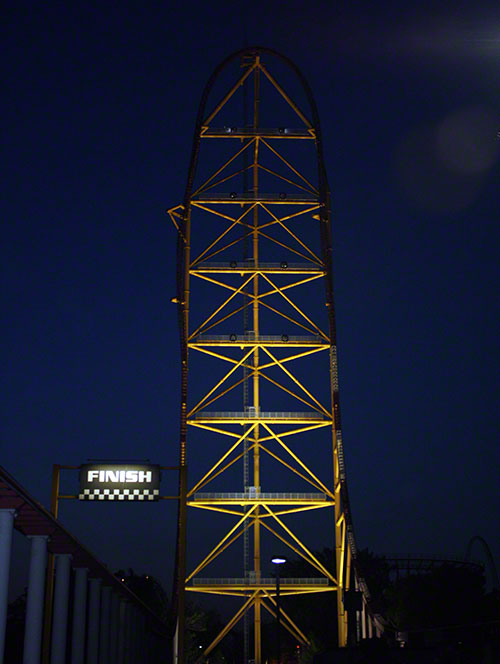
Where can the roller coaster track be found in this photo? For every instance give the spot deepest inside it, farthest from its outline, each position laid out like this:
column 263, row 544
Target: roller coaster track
column 489, row 557
column 255, row 215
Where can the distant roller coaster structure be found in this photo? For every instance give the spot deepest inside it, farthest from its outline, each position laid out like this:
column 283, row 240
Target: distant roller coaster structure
column 489, row 557
column 405, row 565
column 256, row 315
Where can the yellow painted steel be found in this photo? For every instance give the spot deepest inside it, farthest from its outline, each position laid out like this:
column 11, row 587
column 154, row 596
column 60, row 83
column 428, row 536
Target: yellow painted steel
column 298, row 633
column 241, row 590
column 290, row 319
column 298, row 460
column 294, row 470
column 219, row 461
column 249, row 286
column 300, row 551
column 230, row 624
column 289, row 165
column 214, row 175
column 220, row 543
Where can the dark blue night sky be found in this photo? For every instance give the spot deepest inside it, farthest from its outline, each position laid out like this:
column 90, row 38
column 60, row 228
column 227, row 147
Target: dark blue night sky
column 98, row 114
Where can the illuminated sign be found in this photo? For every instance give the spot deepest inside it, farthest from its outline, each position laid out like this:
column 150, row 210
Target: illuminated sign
column 119, row 482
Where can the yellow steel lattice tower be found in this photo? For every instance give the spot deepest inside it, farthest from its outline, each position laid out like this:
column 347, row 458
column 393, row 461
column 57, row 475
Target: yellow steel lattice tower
column 258, row 180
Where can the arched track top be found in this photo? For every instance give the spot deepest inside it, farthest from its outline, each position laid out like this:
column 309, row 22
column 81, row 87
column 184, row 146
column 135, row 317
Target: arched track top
column 255, row 50
column 489, row 556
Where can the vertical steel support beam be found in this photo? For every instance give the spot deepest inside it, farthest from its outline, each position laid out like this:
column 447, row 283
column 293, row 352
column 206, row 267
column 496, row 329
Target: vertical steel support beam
column 60, row 619
column 104, row 627
column 34, row 607
column 94, row 620
column 339, row 553
column 179, row 656
column 256, row 386
column 257, row 630
column 6, row 527
column 179, row 639
column 79, row 616
column 347, row 553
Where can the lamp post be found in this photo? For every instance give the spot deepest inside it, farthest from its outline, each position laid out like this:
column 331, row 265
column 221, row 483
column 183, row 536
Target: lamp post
column 278, row 560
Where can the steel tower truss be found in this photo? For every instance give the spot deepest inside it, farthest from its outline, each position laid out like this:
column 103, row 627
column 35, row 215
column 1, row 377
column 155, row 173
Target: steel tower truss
column 284, row 284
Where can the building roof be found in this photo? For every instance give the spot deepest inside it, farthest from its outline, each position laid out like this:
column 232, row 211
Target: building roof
column 32, row 518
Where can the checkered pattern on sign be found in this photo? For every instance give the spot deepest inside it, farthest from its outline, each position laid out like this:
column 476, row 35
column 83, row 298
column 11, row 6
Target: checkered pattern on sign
column 119, row 494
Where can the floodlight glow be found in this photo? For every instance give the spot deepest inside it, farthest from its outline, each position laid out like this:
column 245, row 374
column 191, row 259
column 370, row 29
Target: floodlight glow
column 279, row 560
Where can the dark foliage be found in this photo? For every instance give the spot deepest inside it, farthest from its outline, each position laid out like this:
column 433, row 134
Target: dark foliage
column 148, row 589
column 444, row 596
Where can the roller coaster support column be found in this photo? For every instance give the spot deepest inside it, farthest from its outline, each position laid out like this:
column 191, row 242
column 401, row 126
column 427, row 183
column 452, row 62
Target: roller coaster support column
column 79, row 616
column 104, row 626
column 6, row 527
column 363, row 620
column 34, row 605
column 94, row 619
column 61, row 594
column 114, row 626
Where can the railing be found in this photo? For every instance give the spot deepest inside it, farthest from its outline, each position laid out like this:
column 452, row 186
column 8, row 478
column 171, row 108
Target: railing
column 260, row 496
column 268, row 581
column 437, row 557
column 261, row 131
column 249, row 265
column 250, row 196
column 251, row 336
column 262, row 415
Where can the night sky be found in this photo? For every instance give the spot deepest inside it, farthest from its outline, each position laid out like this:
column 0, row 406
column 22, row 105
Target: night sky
column 98, row 114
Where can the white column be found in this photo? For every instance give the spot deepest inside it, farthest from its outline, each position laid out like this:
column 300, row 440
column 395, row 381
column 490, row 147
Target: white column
column 363, row 620
column 175, row 645
column 104, row 627
column 370, row 627
column 128, row 633
column 141, row 646
column 60, row 617
column 147, row 640
column 34, row 604
column 147, row 645
column 122, row 631
column 6, row 526
column 358, row 613
column 131, row 626
column 114, row 627
column 79, row 616
column 94, row 619
column 135, row 635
